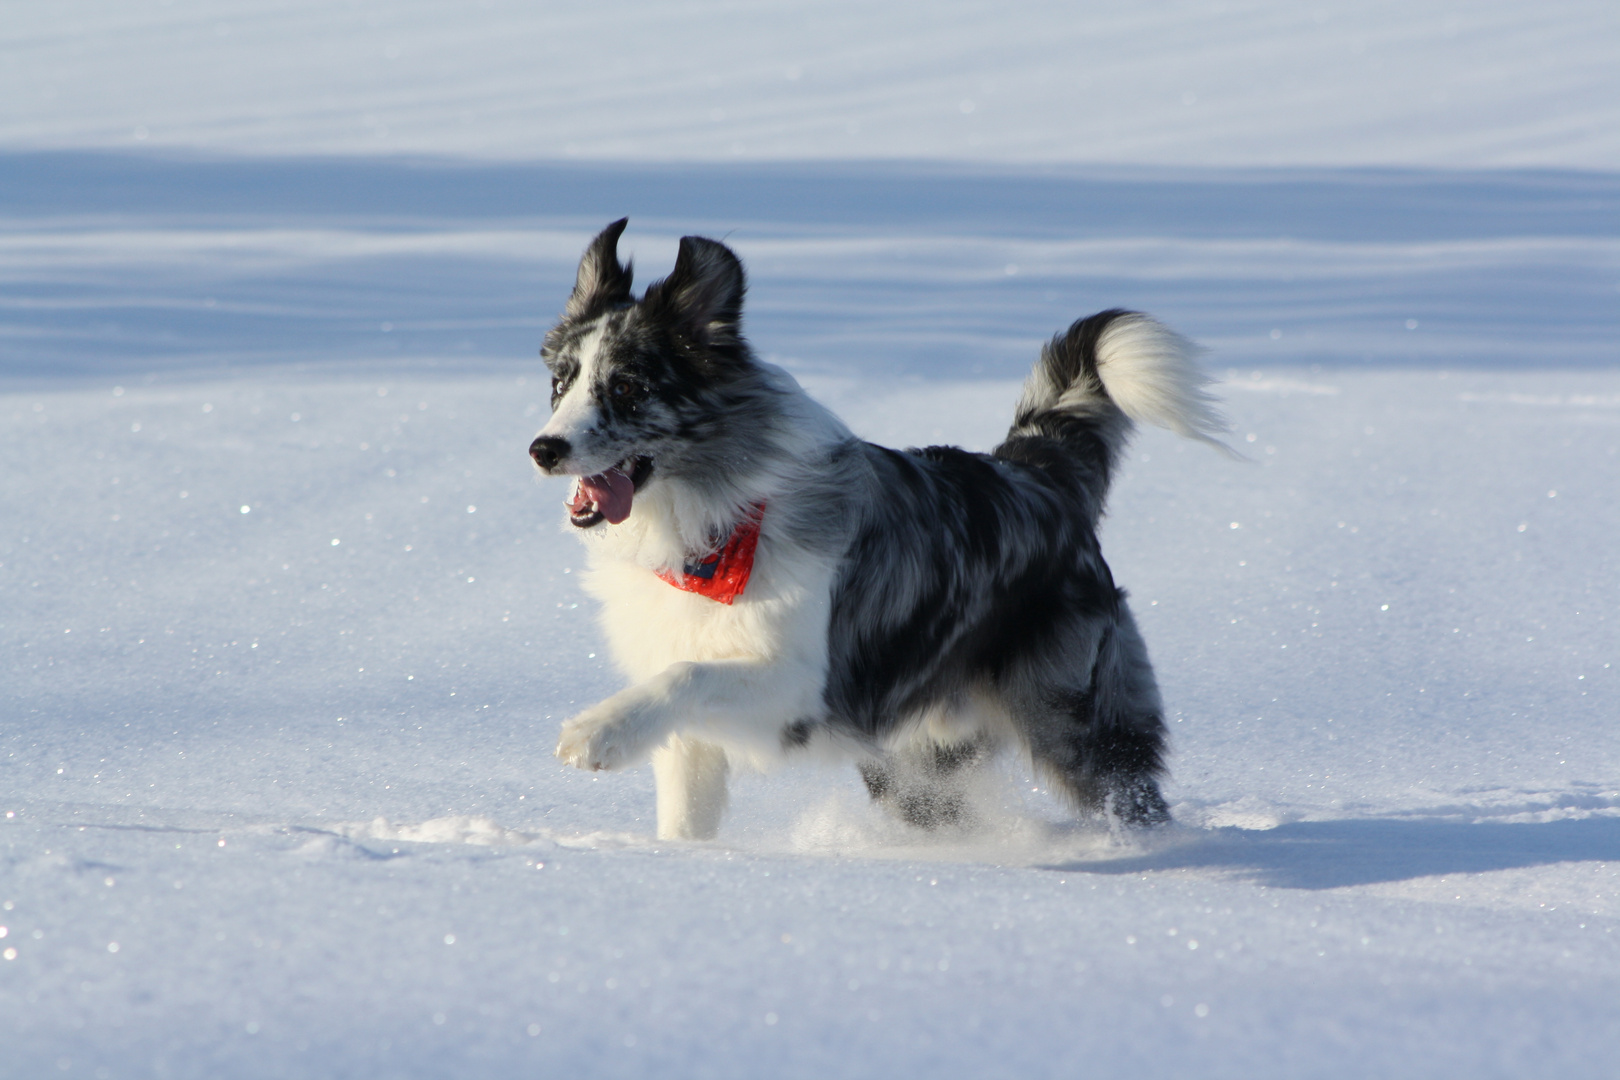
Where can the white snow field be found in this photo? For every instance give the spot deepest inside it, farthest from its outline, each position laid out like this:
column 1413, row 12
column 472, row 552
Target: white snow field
column 1231, row 82
column 288, row 626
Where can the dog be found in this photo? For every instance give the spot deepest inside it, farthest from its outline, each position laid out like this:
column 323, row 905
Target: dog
column 772, row 585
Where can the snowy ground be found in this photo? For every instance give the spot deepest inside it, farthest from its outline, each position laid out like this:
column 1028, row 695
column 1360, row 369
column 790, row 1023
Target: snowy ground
column 1230, row 82
column 287, row 625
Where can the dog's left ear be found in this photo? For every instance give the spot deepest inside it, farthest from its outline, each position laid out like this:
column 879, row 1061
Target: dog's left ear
column 703, row 295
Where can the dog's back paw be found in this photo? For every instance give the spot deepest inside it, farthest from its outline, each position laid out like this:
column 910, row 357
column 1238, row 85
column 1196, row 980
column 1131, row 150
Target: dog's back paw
column 1138, row 806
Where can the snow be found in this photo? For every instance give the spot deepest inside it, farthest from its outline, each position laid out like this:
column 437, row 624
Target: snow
column 1414, row 82
column 288, row 625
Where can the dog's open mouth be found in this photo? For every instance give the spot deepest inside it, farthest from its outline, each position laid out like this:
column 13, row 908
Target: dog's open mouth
column 607, row 495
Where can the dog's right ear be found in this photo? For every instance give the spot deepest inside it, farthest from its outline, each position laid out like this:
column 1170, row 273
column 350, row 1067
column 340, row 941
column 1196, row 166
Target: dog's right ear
column 602, row 282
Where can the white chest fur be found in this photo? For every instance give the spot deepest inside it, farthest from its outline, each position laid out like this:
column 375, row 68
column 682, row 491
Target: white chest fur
column 651, row 624
column 743, row 670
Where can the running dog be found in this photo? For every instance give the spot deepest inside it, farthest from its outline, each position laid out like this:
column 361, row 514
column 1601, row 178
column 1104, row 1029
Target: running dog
column 772, row 585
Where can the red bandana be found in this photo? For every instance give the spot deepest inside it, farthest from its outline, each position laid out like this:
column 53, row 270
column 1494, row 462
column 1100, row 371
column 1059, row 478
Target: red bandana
column 723, row 575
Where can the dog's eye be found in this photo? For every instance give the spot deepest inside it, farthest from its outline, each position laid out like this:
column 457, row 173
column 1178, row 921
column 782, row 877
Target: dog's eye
column 624, row 390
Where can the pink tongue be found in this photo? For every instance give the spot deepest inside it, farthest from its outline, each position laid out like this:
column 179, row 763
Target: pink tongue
column 610, row 491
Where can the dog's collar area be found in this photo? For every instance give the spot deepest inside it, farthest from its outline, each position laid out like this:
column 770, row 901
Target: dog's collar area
column 723, row 575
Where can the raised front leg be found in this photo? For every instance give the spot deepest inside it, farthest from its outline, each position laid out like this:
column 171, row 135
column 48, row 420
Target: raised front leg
column 734, row 702
column 691, row 778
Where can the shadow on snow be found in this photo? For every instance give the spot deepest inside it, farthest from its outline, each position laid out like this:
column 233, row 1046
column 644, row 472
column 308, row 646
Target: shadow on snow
column 1334, row 854
column 1497, row 301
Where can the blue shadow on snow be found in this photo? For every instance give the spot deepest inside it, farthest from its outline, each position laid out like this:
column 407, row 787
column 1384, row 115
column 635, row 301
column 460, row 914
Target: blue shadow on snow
column 1335, row 854
column 78, row 317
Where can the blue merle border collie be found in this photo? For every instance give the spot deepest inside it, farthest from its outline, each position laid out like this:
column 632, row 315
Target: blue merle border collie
column 772, row 585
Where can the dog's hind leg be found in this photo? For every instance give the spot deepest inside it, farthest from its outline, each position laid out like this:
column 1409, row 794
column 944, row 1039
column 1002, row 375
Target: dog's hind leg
column 691, row 781
column 922, row 784
column 1102, row 743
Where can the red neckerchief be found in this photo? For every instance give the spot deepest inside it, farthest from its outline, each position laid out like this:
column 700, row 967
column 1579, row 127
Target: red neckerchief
column 723, row 575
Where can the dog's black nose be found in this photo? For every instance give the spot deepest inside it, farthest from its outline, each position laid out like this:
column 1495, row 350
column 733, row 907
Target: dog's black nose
column 549, row 451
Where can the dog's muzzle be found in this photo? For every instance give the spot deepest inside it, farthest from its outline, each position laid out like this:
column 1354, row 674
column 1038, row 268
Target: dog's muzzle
column 549, row 451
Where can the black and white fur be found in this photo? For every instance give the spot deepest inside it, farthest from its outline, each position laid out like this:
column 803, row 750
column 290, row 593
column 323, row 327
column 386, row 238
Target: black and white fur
column 913, row 609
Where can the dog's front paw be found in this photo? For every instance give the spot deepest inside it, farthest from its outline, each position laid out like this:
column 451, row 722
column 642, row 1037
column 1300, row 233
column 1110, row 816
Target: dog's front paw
column 595, row 739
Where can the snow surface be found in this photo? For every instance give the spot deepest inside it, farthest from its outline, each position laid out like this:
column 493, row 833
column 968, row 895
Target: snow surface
column 1234, row 82
column 287, row 625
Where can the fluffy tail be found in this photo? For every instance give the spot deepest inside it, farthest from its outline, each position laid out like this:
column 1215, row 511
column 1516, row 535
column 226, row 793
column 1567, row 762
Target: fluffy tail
column 1128, row 360
column 1093, row 382
column 1105, row 372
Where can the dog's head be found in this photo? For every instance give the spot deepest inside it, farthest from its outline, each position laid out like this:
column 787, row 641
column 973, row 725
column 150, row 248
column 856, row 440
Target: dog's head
column 635, row 383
